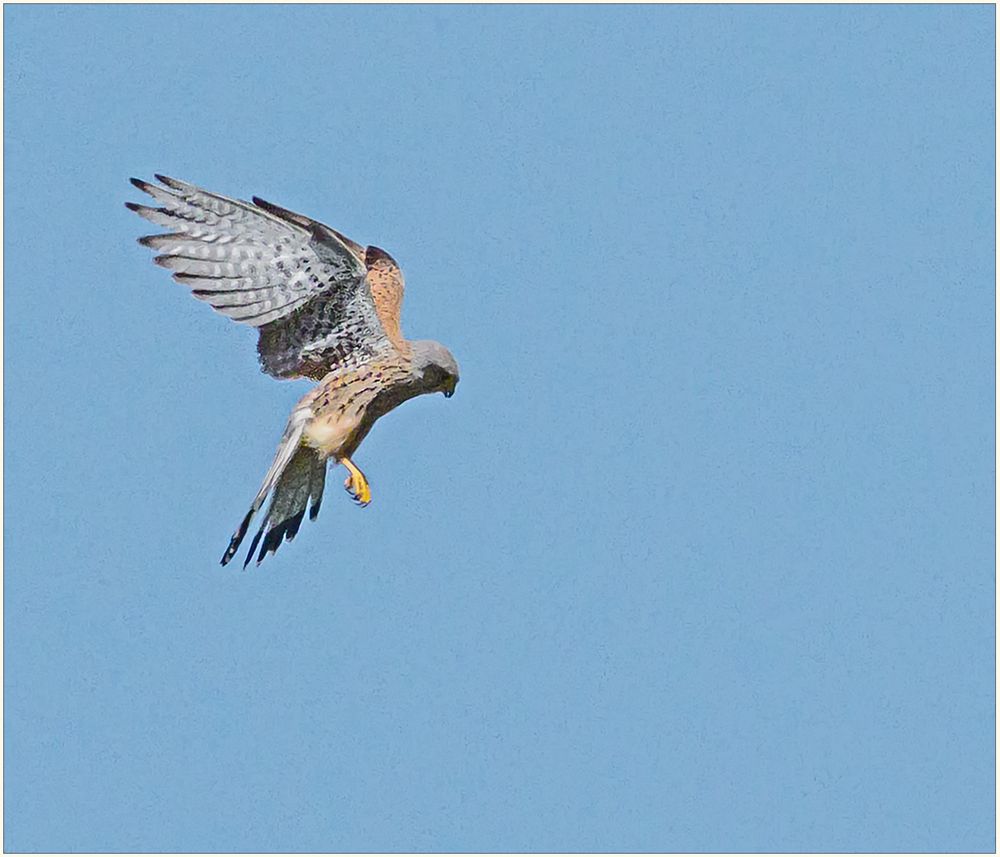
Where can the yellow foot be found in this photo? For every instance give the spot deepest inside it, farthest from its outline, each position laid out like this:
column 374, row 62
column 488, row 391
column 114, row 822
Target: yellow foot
column 356, row 484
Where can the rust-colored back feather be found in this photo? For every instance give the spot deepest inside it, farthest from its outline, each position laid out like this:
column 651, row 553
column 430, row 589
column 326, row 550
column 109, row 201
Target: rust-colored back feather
column 386, row 282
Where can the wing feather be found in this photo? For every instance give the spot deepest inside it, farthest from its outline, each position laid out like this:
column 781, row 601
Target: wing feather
column 386, row 282
column 307, row 222
column 303, row 285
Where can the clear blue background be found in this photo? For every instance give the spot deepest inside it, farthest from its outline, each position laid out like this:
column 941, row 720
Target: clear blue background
column 700, row 557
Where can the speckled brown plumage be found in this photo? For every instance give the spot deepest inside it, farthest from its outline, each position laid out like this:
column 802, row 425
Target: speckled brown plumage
column 325, row 308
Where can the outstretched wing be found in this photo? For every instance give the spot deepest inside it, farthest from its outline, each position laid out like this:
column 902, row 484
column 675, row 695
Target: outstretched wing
column 300, row 283
column 280, row 341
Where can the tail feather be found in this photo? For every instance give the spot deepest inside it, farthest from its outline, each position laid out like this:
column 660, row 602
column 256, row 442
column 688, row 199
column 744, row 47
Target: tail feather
column 306, row 473
column 295, row 474
column 288, row 504
column 316, row 482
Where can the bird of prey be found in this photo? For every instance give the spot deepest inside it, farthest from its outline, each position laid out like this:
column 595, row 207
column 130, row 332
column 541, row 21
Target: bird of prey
column 325, row 308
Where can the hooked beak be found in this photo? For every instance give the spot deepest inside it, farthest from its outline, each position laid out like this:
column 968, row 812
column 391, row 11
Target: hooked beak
column 449, row 390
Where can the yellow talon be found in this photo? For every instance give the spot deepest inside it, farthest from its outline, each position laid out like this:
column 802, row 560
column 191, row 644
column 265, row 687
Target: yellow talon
column 356, row 483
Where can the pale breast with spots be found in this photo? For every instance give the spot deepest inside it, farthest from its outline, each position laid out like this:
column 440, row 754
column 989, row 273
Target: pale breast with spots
column 330, row 430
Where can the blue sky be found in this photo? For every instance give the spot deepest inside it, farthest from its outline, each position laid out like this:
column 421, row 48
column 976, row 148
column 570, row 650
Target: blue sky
column 700, row 556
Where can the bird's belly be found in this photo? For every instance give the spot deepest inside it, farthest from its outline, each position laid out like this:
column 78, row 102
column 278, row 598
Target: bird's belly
column 330, row 433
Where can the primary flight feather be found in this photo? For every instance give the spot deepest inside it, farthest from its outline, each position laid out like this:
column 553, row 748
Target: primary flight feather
column 325, row 308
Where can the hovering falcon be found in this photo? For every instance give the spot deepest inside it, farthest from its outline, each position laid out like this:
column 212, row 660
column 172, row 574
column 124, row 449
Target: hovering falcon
column 325, row 308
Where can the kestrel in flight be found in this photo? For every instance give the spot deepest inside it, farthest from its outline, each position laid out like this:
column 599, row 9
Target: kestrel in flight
column 325, row 308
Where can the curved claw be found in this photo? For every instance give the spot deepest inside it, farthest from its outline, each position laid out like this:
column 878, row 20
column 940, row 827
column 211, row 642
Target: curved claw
column 356, row 484
column 361, row 495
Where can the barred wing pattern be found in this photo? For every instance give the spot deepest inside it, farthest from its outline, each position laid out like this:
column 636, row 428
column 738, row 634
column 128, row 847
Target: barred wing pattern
column 299, row 282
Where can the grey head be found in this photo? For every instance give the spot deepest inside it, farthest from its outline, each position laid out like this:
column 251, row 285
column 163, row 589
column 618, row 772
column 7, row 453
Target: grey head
column 434, row 367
